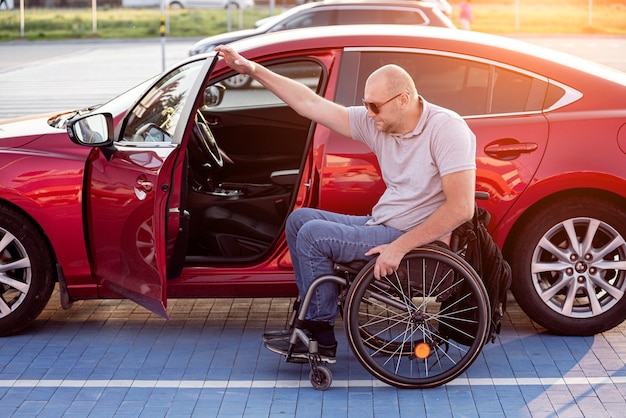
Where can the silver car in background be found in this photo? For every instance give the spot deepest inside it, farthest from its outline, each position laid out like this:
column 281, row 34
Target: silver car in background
column 336, row 12
column 210, row 4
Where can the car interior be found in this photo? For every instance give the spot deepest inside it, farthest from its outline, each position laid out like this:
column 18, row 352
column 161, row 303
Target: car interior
column 239, row 199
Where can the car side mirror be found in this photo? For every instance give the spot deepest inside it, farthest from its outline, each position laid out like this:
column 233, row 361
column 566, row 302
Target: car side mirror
column 213, row 95
column 91, row 130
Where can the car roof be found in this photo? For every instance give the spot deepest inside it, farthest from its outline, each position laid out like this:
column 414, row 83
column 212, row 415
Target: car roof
column 430, row 7
column 274, row 23
column 491, row 47
column 366, row 2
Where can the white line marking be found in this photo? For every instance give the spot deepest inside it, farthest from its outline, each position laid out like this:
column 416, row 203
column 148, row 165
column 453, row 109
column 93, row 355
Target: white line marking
column 257, row 384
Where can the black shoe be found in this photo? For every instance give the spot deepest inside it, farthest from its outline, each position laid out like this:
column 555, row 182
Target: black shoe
column 283, row 334
column 300, row 351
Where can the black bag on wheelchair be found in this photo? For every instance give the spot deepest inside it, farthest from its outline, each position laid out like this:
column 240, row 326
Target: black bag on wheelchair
column 472, row 241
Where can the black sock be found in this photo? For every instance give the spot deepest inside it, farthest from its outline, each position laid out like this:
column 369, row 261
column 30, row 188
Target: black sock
column 322, row 331
column 325, row 337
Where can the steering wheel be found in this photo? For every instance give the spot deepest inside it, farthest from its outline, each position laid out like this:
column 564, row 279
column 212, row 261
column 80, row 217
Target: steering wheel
column 205, row 142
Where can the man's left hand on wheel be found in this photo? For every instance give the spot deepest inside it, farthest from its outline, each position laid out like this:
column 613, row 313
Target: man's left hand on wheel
column 388, row 259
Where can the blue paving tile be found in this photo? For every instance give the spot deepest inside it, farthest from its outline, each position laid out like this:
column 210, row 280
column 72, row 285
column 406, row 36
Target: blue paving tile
column 14, row 397
column 436, row 402
column 112, row 397
column 257, row 404
column 101, row 412
column 52, row 411
column 284, row 402
column 130, row 408
column 360, row 401
column 385, row 402
column 153, row 412
column 30, row 408
column 41, row 394
column 411, row 401
column 510, row 398
column 149, row 372
column 80, row 408
column 311, row 413
column 207, row 407
column 126, row 373
column 181, row 408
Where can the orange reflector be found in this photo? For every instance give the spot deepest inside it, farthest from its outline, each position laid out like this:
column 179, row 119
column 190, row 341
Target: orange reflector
column 422, row 350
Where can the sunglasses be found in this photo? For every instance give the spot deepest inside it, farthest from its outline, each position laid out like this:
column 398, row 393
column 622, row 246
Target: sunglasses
column 375, row 108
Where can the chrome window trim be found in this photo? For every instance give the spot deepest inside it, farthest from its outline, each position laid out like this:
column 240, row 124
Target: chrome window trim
column 571, row 95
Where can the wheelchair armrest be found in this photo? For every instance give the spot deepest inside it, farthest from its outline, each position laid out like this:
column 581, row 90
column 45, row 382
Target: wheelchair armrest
column 481, row 195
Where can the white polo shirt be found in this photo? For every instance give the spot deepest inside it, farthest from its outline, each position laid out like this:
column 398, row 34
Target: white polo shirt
column 412, row 165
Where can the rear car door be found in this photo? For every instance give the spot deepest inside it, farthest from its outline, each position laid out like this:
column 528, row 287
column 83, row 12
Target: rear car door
column 502, row 105
column 134, row 202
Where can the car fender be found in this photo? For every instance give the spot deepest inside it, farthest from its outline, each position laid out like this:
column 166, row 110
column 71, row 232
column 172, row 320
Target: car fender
column 48, row 188
column 551, row 188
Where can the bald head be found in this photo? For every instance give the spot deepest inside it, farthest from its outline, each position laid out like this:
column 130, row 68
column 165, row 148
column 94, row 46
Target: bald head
column 391, row 79
column 391, row 100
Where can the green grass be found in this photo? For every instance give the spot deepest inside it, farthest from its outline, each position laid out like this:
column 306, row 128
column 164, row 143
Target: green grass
column 119, row 23
column 493, row 16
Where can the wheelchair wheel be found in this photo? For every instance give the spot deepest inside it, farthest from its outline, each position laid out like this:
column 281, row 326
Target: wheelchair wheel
column 422, row 326
column 321, row 378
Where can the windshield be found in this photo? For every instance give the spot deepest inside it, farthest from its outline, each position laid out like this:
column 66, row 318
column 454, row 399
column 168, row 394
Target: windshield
column 155, row 117
column 121, row 103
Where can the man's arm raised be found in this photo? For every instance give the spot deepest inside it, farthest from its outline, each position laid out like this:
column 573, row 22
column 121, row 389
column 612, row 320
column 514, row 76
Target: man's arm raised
column 298, row 96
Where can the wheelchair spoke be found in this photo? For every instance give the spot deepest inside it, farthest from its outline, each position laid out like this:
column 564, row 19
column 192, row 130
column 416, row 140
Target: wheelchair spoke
column 420, row 326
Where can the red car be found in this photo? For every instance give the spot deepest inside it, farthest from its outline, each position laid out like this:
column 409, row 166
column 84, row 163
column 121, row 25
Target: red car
column 180, row 187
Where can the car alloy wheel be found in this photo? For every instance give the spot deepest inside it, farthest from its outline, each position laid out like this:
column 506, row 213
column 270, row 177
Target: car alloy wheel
column 570, row 266
column 26, row 272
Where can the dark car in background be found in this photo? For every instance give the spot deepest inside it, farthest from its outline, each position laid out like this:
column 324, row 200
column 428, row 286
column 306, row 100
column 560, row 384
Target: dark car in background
column 336, row 12
column 181, row 188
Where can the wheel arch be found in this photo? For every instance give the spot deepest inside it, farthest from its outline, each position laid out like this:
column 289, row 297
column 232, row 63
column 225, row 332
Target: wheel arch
column 538, row 206
column 39, row 228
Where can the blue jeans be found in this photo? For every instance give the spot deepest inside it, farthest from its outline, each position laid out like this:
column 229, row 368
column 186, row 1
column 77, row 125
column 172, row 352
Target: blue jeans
column 317, row 239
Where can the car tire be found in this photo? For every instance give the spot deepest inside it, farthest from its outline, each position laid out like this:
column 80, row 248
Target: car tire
column 26, row 287
column 570, row 289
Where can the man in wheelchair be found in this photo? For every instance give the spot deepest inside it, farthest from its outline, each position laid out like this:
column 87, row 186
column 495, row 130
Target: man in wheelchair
column 427, row 158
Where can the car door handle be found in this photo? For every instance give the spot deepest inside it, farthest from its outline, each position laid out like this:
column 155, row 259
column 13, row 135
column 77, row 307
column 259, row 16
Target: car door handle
column 144, row 185
column 213, row 121
column 509, row 150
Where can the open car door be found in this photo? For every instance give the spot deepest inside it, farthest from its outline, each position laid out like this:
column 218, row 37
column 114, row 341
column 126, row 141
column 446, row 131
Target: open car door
column 134, row 202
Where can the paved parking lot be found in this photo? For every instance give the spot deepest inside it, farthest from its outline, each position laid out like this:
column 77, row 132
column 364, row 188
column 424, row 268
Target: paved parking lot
column 112, row 358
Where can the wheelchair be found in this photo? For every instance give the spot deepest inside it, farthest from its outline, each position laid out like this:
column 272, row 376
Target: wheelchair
column 420, row 327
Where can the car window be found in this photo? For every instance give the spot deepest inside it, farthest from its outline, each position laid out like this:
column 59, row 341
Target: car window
column 306, row 20
column 249, row 93
column 466, row 86
column 398, row 17
column 155, row 117
column 516, row 92
column 460, row 85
